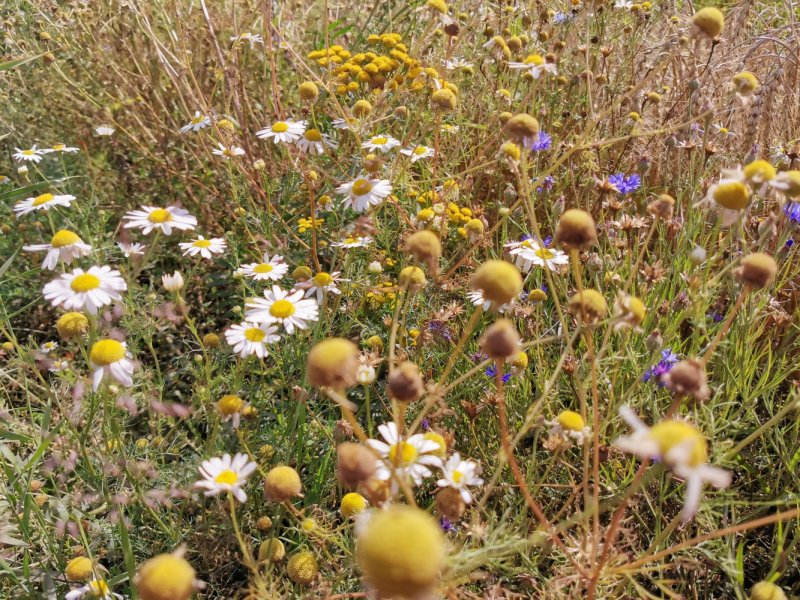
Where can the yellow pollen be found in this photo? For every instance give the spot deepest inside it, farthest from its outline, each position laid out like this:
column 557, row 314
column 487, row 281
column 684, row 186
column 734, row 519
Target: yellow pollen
column 227, row 477
column 84, row 283
column 379, row 141
column 64, row 238
column 281, row 309
column 322, row 279
column 254, row 334
column 420, row 150
column 312, row 135
column 43, row 199
column 160, row 215
column 263, row 268
column 407, row 453
column 361, row 187
column 28, row 152
column 457, row 476
column 106, row 352
column 280, row 127
column 201, row 244
column 99, row 588
column 544, row 254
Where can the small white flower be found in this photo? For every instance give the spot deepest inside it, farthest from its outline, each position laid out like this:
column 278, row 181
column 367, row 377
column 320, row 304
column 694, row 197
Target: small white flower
column 43, row 202
column 456, row 63
column 199, row 122
column 728, row 192
column 96, row 589
column 569, row 424
column 362, row 193
column 458, row 474
column 477, row 299
column 448, row 128
column 221, row 475
column 4, row 180
column 780, row 154
column 174, row 282
column 723, row 130
column 624, row 4
column 128, row 249
column 418, row 152
column 287, row 308
column 228, row 152
column 65, row 245
column 535, row 65
column 354, row 242
column 203, row 247
column 91, row 290
column 58, row 366
column 529, row 252
column 321, row 283
column 251, row 338
column 384, row 144
column 272, row 268
column 59, row 148
column 365, row 375
column 252, row 38
column 104, row 130
column 288, row 131
column 28, row 155
column 165, row 219
column 350, row 123
column 48, row 346
column 313, row 142
column 110, row 357
column 407, row 458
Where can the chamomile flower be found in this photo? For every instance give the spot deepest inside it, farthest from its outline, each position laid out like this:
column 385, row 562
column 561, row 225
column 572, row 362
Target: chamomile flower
column 231, row 408
column 48, row 346
column 200, row 121
column 43, row 202
column 28, row 155
column 723, row 130
column 448, row 128
column 477, row 299
column 458, row 474
column 272, row 268
column 535, row 65
column 384, row 144
column 96, row 589
column 780, row 154
column 104, row 131
column 288, row 131
column 321, row 283
column 228, row 152
column 529, row 253
column 287, row 308
column 58, row 366
column 110, row 357
column 350, row 123
column 354, row 241
column 4, row 180
column 682, row 447
column 91, row 289
column 203, row 247
column 128, row 249
column 222, row 475
column 251, row 38
column 569, row 425
column 409, row 457
column 165, row 219
column 418, row 152
column 59, row 148
column 362, row 193
column 313, row 142
column 457, row 63
column 251, row 338
column 64, row 245
column 730, row 197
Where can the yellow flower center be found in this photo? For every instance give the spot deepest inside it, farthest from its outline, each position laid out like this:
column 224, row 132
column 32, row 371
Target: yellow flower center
column 64, row 238
column 197, row 120
column 281, row 309
column 254, row 334
column 544, row 254
column 229, row 405
column 84, row 283
column 732, row 195
column 457, row 476
column 28, row 152
column 280, row 127
column 49, row 345
column 312, row 135
column 201, row 244
column 570, row 420
column 227, row 477
column 420, row 150
column 59, row 147
column 106, row 352
column 361, row 187
column 723, row 130
column 669, row 434
column 760, row 169
column 534, row 59
column 402, row 453
column 43, row 199
column 99, row 588
column 379, row 141
column 322, row 279
column 228, row 152
column 263, row 268
column 160, row 215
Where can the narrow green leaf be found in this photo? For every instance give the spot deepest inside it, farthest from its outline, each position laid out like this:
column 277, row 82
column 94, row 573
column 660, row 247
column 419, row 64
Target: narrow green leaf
column 27, row 189
column 19, row 62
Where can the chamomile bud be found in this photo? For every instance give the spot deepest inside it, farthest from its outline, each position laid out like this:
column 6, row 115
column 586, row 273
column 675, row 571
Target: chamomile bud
column 211, row 340
column 271, row 550
column 499, row 281
column 78, row 569
column 333, row 363
column 522, row 127
column 757, row 270
column 72, row 324
column 708, row 21
column 576, row 229
column 166, row 577
column 412, row 278
column 589, row 304
column 352, row 504
column 302, row 568
column 263, row 523
column 405, row 382
column 764, row 590
column 308, row 91
column 282, row 483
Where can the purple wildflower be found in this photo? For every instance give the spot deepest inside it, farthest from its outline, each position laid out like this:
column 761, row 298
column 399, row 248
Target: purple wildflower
column 491, row 373
column 541, row 142
column 792, row 211
column 447, row 526
column 625, row 185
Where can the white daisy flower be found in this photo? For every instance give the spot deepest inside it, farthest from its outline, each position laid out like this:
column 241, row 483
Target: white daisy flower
column 165, row 219
column 43, row 202
column 58, row 366
column 222, row 475
column 251, row 338
column 321, row 283
column 780, row 154
column 456, row 63
column 4, row 180
column 110, row 357
column 228, row 152
column 477, row 299
column 350, row 123
column 682, row 447
column 272, row 268
column 313, row 142
column 448, row 128
column 59, row 148
column 28, row 155
column 418, row 152
column 384, row 144
column 287, row 308
column 251, row 38
column 361, row 193
column 128, row 249
column 206, row 248
column 458, row 474
column 407, row 458
column 104, row 130
column 535, row 65
column 723, row 130
column 199, row 122
column 288, row 131
column 65, row 245
column 624, row 4
column 173, row 283
column 47, row 346
column 366, row 374
column 570, row 425
column 91, row 290
column 529, row 252
column 96, row 589
column 354, row 242
column 730, row 197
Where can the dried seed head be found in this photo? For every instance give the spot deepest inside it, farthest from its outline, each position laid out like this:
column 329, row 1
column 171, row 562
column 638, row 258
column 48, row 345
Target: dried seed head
column 522, row 127
column 688, row 378
column 590, row 303
column 263, row 523
column 501, row 340
column 413, row 278
column 450, row 504
column 757, row 270
column 444, row 99
column 302, row 568
column 356, row 463
column 662, row 207
column 272, row 551
column 576, row 229
column 333, row 363
column 744, row 83
column 708, row 21
column 302, row 273
column 308, row 91
column 499, row 281
column 426, row 248
column 405, row 382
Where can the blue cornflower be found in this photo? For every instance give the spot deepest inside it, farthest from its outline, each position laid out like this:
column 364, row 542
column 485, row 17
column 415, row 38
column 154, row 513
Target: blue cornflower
column 792, row 211
column 547, row 184
column 669, row 356
column 541, row 142
column 426, row 424
column 491, row 373
column 789, row 243
column 664, row 366
column 560, row 18
column 625, row 185
column 447, row 526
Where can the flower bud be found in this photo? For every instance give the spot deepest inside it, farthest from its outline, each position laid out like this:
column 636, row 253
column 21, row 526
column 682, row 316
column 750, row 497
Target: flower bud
column 405, row 382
